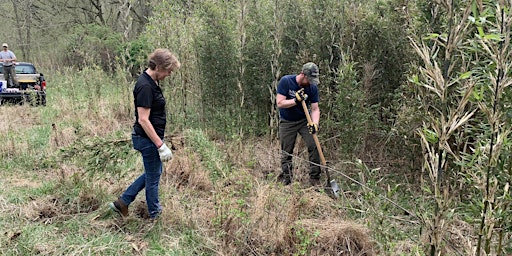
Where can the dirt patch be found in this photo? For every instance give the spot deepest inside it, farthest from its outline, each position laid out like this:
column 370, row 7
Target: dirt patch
column 25, row 183
column 53, row 207
column 185, row 171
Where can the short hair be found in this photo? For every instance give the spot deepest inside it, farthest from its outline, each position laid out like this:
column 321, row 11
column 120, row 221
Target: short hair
column 163, row 58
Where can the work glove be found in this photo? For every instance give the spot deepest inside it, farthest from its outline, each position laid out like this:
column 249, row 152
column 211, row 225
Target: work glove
column 313, row 128
column 300, row 96
column 165, row 153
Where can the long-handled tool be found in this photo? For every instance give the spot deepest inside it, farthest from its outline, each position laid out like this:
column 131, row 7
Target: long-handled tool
column 335, row 189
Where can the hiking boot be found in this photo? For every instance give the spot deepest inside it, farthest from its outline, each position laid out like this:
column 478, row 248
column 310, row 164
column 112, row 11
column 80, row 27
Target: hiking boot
column 314, row 182
column 119, row 207
column 285, row 179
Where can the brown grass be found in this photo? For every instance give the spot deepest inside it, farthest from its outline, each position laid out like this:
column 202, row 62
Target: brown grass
column 337, row 237
column 263, row 221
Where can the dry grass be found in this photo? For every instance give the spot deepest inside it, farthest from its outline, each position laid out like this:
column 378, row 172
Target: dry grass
column 244, row 213
column 263, row 221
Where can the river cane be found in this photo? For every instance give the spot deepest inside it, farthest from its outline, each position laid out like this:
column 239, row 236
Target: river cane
column 335, row 189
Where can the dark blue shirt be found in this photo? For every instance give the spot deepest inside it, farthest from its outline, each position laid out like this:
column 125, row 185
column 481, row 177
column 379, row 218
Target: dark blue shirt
column 288, row 86
column 148, row 94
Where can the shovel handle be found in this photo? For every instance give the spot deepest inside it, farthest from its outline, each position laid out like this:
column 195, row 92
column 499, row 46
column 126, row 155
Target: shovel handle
column 332, row 183
column 308, row 117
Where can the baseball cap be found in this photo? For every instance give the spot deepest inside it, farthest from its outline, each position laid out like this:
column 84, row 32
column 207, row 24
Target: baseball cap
column 310, row 69
column 5, row 45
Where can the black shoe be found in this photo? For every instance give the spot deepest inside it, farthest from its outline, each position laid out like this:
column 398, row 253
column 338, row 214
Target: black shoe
column 314, row 182
column 119, row 207
column 285, row 179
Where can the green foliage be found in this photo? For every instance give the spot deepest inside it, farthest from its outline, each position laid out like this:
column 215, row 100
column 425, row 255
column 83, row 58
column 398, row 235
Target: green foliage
column 380, row 196
column 217, row 53
column 306, row 240
column 383, row 52
column 93, row 45
column 101, row 156
column 257, row 78
column 462, row 103
column 135, row 54
column 349, row 117
column 211, row 157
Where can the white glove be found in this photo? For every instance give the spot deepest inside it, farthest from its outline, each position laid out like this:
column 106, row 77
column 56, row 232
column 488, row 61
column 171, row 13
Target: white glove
column 165, row 153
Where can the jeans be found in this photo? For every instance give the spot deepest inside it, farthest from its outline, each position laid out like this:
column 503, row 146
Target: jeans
column 288, row 131
column 150, row 179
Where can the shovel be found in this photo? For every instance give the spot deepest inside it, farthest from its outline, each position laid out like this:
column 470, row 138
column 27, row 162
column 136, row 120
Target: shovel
column 334, row 188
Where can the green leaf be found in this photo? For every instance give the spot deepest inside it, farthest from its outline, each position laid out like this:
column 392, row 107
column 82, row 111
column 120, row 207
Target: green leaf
column 415, row 80
column 481, row 31
column 478, row 94
column 495, row 37
column 474, row 9
column 430, row 135
column 431, row 36
column 466, row 75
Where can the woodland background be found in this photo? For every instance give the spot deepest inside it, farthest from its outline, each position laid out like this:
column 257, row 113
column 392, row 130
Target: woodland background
column 415, row 102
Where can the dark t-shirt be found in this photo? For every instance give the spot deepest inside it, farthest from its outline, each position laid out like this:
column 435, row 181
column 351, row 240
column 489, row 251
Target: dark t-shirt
column 288, row 86
column 148, row 94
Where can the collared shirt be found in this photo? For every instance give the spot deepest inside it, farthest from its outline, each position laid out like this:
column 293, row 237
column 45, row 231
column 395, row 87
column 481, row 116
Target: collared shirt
column 148, row 94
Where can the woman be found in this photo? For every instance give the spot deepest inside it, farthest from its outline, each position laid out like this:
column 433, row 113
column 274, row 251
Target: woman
column 148, row 132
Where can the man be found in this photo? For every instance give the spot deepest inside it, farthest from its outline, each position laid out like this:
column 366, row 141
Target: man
column 8, row 58
column 291, row 91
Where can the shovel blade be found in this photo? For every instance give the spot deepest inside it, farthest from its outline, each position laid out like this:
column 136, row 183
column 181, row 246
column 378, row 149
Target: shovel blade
column 335, row 188
column 332, row 189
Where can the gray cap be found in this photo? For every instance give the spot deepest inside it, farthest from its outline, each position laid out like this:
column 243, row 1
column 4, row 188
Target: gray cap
column 310, row 69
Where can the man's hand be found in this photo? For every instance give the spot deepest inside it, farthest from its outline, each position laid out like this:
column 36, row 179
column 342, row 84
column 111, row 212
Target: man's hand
column 300, row 96
column 313, row 128
column 165, row 153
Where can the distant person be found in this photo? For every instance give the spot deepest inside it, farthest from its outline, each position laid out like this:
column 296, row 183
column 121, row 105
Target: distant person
column 8, row 59
column 291, row 91
column 148, row 132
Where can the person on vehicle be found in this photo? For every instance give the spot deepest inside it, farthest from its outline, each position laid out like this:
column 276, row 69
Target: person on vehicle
column 291, row 91
column 148, row 132
column 8, row 58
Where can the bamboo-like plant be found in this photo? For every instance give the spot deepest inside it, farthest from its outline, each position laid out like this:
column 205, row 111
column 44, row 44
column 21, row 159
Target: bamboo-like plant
column 493, row 25
column 465, row 90
column 447, row 110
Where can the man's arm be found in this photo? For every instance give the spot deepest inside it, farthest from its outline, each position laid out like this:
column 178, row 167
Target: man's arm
column 282, row 102
column 315, row 113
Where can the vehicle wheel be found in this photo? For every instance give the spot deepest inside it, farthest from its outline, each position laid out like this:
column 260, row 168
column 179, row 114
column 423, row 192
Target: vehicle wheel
column 41, row 100
column 26, row 99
